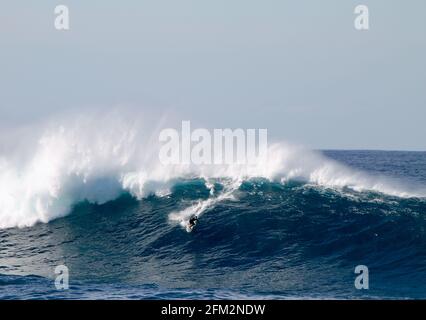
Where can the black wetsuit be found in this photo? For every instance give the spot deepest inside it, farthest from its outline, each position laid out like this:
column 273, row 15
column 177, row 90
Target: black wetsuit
column 193, row 221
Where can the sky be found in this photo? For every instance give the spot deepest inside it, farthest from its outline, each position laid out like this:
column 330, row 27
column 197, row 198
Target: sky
column 297, row 68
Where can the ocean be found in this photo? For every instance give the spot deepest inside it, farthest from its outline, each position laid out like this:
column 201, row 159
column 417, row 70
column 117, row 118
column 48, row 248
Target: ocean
column 297, row 232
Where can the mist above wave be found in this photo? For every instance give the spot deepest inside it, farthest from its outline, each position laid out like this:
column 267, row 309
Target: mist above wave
column 49, row 167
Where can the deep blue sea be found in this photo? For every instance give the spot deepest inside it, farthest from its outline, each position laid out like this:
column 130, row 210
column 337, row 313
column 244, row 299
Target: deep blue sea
column 283, row 240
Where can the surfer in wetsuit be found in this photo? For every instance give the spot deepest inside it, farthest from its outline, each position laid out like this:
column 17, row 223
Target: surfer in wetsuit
column 192, row 221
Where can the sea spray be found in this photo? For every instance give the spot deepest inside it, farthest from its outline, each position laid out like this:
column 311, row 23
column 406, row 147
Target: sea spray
column 97, row 158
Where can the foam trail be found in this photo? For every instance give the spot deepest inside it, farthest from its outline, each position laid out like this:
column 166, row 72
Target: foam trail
column 97, row 157
column 182, row 217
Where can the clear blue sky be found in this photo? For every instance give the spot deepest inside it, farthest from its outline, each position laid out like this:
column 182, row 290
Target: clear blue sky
column 298, row 68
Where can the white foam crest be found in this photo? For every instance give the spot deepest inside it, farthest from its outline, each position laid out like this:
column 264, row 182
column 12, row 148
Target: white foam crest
column 96, row 158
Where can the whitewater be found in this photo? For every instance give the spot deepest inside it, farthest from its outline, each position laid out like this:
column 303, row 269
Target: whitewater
column 52, row 166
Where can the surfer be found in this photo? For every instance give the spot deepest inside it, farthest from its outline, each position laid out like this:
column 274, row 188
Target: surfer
column 192, row 222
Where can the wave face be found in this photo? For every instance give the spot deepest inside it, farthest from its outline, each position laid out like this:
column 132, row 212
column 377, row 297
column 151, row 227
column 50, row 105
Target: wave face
column 294, row 226
column 276, row 240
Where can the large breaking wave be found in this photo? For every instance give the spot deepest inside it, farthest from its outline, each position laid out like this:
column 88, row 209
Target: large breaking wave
column 48, row 169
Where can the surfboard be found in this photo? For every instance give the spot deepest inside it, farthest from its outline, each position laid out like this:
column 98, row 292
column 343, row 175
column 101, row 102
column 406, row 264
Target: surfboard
column 189, row 228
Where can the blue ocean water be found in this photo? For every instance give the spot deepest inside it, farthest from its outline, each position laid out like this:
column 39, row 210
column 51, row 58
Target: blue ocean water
column 284, row 240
